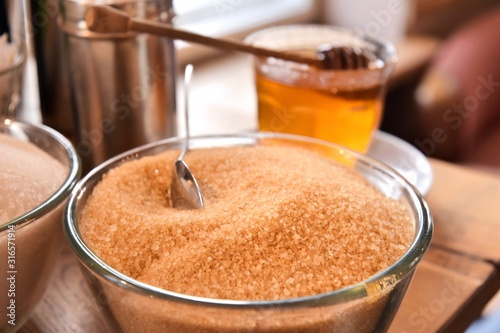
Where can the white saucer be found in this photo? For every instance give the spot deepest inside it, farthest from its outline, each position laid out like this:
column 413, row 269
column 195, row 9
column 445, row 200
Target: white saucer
column 404, row 158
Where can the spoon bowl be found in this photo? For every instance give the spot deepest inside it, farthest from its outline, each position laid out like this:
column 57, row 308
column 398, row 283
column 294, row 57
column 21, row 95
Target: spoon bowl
column 185, row 192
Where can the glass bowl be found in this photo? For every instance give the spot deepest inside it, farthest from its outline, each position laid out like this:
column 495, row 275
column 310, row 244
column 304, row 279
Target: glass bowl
column 33, row 239
column 129, row 305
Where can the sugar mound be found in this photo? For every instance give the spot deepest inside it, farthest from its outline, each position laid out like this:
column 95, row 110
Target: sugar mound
column 28, row 176
column 279, row 222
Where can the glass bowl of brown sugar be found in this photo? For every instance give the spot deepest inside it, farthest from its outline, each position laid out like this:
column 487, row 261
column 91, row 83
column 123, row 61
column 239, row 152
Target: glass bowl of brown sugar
column 297, row 235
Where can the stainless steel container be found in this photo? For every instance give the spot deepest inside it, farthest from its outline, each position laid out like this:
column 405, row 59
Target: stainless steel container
column 53, row 77
column 122, row 85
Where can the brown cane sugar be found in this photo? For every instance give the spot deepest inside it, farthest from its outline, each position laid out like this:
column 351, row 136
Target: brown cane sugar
column 279, row 222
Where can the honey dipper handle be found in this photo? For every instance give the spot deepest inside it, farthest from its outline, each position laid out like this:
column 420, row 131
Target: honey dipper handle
column 105, row 19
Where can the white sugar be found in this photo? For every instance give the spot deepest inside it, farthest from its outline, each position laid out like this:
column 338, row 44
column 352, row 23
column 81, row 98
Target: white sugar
column 28, row 176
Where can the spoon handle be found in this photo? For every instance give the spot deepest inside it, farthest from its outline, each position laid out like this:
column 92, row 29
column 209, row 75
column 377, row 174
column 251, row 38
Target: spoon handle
column 188, row 73
column 105, row 19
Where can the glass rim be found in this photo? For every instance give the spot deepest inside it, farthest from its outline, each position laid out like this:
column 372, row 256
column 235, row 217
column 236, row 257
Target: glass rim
column 74, row 171
column 400, row 269
column 381, row 43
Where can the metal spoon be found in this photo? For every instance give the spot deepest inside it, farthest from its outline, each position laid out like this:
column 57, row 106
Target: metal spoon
column 184, row 190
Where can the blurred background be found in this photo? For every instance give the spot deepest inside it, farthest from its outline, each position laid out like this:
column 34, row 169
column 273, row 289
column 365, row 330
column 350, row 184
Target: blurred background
column 433, row 104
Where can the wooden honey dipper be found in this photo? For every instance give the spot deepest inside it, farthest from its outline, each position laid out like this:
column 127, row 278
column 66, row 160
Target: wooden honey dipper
column 105, row 19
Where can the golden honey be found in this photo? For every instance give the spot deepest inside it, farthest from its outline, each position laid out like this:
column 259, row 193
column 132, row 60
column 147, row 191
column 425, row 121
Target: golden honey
column 345, row 115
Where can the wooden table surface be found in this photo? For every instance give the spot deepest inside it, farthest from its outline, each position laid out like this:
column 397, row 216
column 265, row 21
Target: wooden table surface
column 453, row 283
